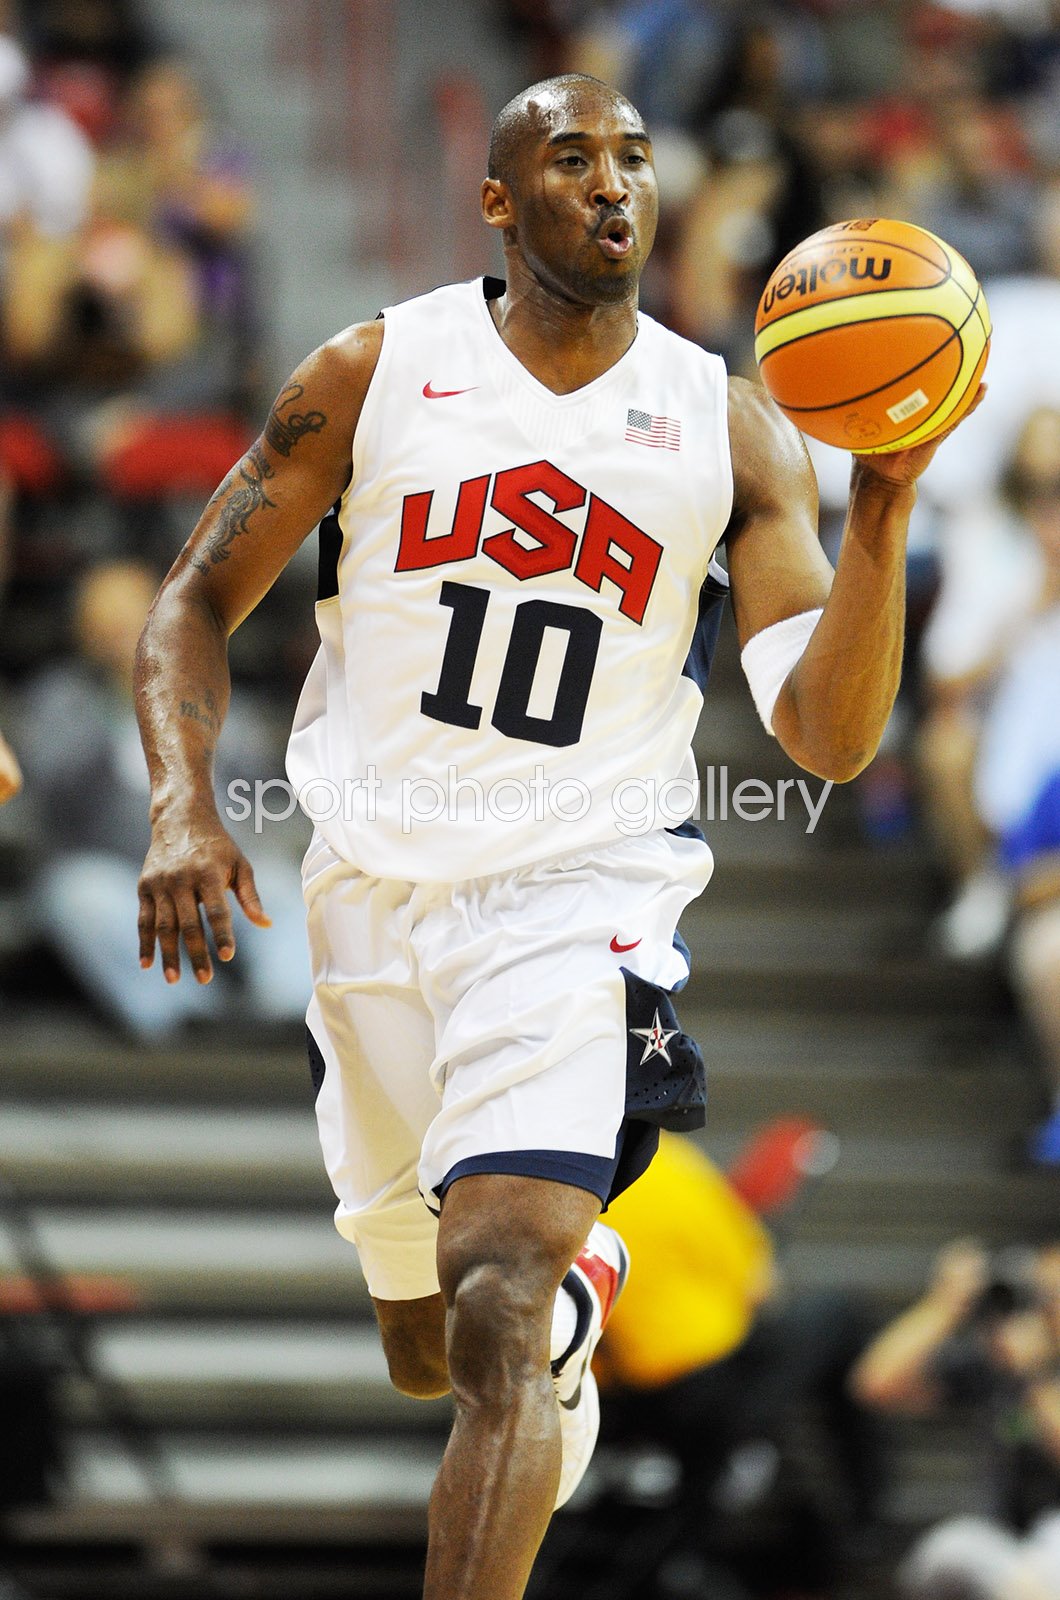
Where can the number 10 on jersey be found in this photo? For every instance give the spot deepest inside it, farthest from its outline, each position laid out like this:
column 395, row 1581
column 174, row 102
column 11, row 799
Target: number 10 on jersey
column 511, row 716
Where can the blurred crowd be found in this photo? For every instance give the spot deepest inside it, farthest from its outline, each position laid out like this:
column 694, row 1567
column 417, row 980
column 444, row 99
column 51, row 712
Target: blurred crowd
column 131, row 379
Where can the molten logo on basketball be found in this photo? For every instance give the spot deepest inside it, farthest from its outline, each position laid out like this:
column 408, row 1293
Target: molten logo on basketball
column 824, row 275
column 872, row 335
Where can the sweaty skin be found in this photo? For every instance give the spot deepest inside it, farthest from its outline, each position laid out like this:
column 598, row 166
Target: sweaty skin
column 576, row 204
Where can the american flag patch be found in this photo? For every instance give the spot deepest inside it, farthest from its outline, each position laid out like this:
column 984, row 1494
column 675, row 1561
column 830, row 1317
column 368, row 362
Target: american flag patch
column 661, row 433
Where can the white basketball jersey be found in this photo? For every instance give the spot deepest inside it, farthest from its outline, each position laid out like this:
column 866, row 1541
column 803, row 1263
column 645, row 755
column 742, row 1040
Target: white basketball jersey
column 511, row 587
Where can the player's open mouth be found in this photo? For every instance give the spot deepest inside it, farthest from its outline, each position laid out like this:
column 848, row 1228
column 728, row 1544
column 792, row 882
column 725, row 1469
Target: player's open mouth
column 615, row 238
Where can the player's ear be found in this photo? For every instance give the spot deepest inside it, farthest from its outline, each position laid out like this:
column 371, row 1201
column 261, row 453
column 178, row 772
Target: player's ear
column 498, row 204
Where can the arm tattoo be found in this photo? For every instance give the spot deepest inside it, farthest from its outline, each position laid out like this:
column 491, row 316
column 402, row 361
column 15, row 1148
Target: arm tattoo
column 283, row 431
column 243, row 491
column 206, row 714
column 241, row 494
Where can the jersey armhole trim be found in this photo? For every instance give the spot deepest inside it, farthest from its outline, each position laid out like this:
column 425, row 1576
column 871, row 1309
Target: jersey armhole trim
column 331, row 537
column 370, row 403
column 724, row 454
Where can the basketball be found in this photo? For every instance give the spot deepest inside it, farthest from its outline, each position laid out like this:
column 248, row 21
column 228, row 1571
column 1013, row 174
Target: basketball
column 872, row 335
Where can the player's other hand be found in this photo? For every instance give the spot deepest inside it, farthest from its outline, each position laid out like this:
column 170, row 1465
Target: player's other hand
column 904, row 467
column 189, row 869
column 10, row 772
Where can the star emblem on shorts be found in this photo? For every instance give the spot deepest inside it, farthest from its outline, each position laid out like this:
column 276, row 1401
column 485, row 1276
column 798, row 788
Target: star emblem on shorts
column 656, row 1038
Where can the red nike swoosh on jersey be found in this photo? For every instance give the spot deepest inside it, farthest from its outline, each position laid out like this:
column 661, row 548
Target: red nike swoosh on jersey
column 444, row 394
column 620, row 949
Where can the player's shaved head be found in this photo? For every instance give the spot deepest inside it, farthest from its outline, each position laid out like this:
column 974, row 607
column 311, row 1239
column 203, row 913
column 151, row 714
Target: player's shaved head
column 525, row 116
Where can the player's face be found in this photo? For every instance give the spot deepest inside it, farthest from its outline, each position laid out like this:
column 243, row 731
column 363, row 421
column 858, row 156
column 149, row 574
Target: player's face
column 585, row 196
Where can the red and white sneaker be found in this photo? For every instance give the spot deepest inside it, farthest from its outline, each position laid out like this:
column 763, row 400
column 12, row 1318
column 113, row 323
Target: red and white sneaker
column 594, row 1283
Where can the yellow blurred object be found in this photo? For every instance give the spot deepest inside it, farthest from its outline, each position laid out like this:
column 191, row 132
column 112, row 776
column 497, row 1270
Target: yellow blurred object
column 701, row 1265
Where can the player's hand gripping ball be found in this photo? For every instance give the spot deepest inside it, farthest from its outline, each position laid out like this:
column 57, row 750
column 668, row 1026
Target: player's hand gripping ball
column 872, row 335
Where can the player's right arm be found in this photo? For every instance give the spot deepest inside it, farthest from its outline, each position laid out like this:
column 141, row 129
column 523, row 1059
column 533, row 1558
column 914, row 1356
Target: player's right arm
column 288, row 479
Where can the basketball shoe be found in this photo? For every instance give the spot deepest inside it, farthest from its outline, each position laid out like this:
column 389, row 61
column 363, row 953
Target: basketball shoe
column 594, row 1283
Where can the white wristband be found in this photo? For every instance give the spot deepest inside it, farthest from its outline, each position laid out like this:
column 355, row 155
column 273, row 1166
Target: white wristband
column 769, row 656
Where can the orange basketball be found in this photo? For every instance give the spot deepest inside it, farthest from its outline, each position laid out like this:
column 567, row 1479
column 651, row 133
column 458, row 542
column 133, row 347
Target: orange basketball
column 872, row 335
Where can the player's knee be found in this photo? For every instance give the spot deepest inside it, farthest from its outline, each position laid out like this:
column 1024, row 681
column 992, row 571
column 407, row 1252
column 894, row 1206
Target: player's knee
column 498, row 1329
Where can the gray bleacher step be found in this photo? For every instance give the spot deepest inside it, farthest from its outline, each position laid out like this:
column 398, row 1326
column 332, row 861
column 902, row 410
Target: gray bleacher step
column 849, row 938
column 233, row 1157
column 248, row 1156
column 888, row 1180
column 874, row 1211
column 753, row 1040
column 802, row 980
column 962, row 1160
column 237, row 1474
column 163, row 1153
column 288, row 1376
column 889, row 1273
column 775, row 874
column 52, row 1058
column 729, row 731
column 336, row 1491
column 47, row 1062
column 179, row 1525
column 879, row 1099
column 176, row 1258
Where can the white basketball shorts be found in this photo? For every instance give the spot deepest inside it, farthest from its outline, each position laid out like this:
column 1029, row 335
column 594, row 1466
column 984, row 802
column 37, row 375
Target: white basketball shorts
column 520, row 1023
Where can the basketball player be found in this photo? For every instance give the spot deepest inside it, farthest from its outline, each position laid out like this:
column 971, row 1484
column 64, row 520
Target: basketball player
column 527, row 483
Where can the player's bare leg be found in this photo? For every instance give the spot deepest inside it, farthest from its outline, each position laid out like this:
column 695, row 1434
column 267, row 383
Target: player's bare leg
column 504, row 1245
column 413, row 1335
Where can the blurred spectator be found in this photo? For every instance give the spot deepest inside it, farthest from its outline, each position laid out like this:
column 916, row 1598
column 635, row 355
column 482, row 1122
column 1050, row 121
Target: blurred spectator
column 708, row 1353
column 673, row 57
column 86, row 775
column 98, row 311
column 664, row 54
column 132, row 342
column 46, row 163
column 102, row 33
column 191, row 184
column 760, row 196
column 1000, row 567
column 1018, row 788
column 984, row 1338
column 542, row 28
column 1024, row 49
column 953, row 157
column 92, row 323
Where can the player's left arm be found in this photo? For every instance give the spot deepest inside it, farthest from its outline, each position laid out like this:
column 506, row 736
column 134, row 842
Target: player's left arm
column 833, row 706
